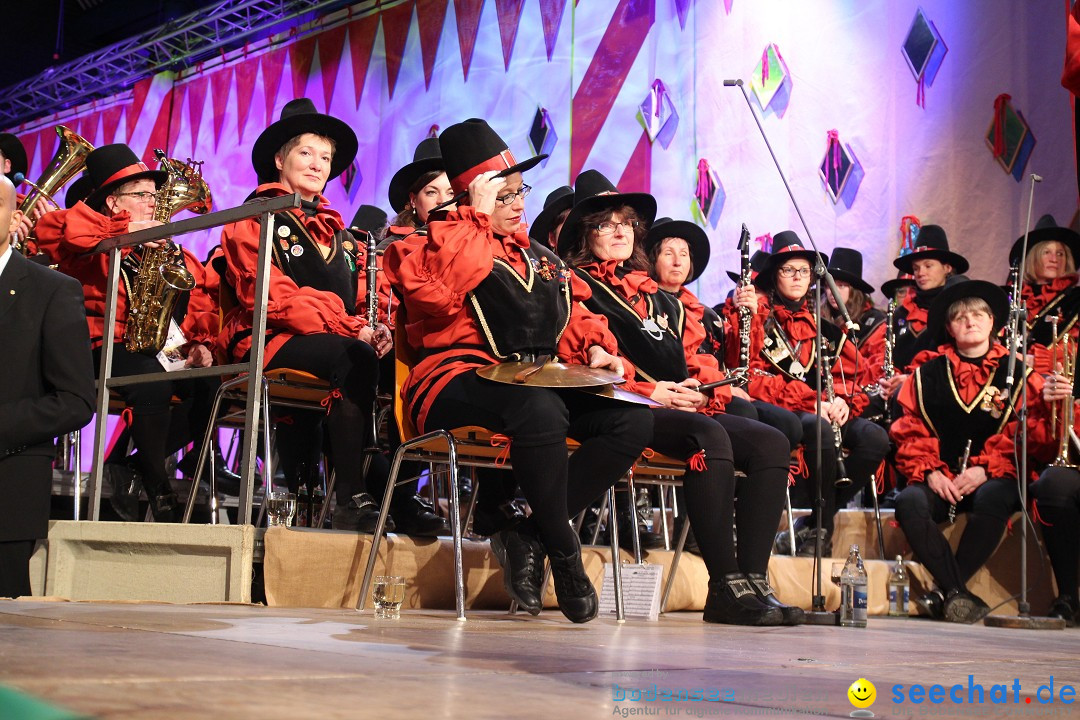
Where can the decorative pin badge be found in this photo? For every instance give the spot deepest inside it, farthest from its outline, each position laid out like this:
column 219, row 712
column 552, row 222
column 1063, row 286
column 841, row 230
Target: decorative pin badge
column 796, row 368
column 296, row 250
column 649, row 326
column 546, row 269
column 283, row 231
column 347, row 244
column 284, row 244
column 662, row 321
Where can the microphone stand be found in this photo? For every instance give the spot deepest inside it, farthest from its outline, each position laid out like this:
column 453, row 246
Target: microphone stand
column 818, row 615
column 1019, row 343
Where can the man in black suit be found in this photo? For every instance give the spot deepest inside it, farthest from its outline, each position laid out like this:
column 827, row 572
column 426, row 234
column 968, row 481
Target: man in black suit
column 47, row 390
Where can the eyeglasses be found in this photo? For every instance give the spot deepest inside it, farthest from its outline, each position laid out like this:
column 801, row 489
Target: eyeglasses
column 789, row 272
column 143, row 195
column 509, row 198
column 608, row 227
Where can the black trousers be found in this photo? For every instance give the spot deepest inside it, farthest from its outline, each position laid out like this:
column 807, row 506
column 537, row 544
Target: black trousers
column 1057, row 497
column 352, row 369
column 867, row 444
column 538, row 421
column 714, row 499
column 775, row 416
column 158, row 428
column 15, row 567
column 919, row 510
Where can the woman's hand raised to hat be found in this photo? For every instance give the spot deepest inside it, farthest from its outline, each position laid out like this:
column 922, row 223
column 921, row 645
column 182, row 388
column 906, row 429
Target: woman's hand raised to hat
column 601, row 358
column 483, row 190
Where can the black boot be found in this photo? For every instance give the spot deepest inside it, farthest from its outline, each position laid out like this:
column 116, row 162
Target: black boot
column 573, row 588
column 360, row 514
column 521, row 557
column 165, row 507
column 124, row 485
column 792, row 615
column 732, row 601
column 503, row 517
column 1066, row 608
column 931, row 605
column 413, row 516
column 813, row 538
column 782, row 543
column 964, row 607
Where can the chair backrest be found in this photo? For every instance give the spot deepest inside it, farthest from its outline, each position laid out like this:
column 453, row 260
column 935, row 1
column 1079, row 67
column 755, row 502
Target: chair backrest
column 404, row 360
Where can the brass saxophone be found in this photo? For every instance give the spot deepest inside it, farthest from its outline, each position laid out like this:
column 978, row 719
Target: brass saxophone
column 162, row 273
column 67, row 162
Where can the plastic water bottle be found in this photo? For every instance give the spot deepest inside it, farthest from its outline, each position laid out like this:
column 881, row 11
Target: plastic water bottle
column 853, row 591
column 899, row 589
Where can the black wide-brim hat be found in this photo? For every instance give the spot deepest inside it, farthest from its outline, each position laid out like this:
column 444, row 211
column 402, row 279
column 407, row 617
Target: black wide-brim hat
column 426, row 158
column 846, row 266
column 12, row 148
column 932, row 244
column 696, row 239
column 1045, row 229
column 958, row 289
column 472, row 147
column 111, row 166
column 902, row 279
column 370, row 219
column 78, row 190
column 299, row 116
column 592, row 193
column 558, row 200
column 757, row 261
column 786, row 245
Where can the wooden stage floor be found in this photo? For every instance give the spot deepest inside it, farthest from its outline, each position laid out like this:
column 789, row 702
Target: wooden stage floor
column 238, row 661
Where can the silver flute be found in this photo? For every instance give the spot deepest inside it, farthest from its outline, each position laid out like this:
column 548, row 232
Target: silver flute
column 842, row 479
column 963, row 468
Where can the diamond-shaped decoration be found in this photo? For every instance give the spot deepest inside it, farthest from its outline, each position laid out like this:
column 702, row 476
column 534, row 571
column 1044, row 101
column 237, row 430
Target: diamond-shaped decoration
column 771, row 81
column 1017, row 140
column 657, row 114
column 924, row 49
column 841, row 171
column 542, row 137
column 709, row 196
column 352, row 178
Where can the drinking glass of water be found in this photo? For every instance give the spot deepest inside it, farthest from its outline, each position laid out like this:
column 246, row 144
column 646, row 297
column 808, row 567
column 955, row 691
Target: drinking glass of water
column 280, row 508
column 388, row 594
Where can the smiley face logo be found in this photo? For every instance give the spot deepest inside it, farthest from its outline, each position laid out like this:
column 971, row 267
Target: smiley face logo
column 862, row 694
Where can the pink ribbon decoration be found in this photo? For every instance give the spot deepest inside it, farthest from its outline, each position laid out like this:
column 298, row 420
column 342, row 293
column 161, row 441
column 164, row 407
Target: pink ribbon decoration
column 909, row 231
column 920, row 92
column 704, row 185
column 764, row 242
column 1001, row 104
column 433, row 131
column 765, row 65
column 833, row 148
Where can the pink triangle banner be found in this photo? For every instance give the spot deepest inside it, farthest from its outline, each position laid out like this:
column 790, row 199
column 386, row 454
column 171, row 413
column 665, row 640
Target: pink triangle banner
column 683, row 8
column 468, row 24
column 509, row 12
column 245, row 88
column 551, row 12
column 88, row 127
column 196, row 94
column 395, row 24
column 29, row 141
column 176, row 117
column 301, row 55
column 159, row 135
column 430, row 17
column 273, row 66
column 361, row 41
column 110, row 121
column 220, row 84
column 638, row 171
column 138, row 97
column 47, row 140
column 330, row 44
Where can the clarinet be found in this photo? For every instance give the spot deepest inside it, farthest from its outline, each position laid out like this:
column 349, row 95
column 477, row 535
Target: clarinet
column 371, row 269
column 746, row 315
column 1007, row 338
column 963, row 468
column 888, row 369
column 842, row 479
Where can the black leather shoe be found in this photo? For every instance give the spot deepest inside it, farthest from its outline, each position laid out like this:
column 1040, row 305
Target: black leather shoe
column 415, row 517
column 225, row 480
column 964, row 607
column 792, row 615
column 488, row 522
column 165, row 507
column 648, row 540
column 573, row 588
column 361, row 514
column 808, row 546
column 931, row 605
column 733, row 601
column 124, row 488
column 782, row 543
column 1065, row 608
column 521, row 557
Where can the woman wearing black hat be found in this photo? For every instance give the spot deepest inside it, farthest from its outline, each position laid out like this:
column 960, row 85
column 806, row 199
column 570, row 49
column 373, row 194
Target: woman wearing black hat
column 122, row 199
column 546, row 226
column 958, row 415
column 846, row 266
column 476, row 291
column 931, row 263
column 783, row 350
column 603, row 240
column 1049, row 289
column 418, row 188
column 312, row 319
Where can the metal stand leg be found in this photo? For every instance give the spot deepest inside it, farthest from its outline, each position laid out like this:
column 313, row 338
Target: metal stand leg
column 683, row 533
column 74, row 445
column 877, row 517
column 663, row 517
column 790, row 519
column 616, row 558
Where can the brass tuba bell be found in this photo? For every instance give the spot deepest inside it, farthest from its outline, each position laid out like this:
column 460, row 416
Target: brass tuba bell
column 69, row 160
